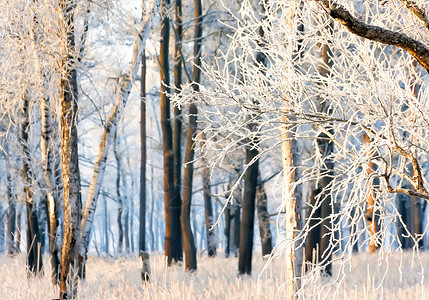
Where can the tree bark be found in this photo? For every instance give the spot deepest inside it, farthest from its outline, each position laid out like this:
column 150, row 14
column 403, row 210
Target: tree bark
column 378, row 34
column 370, row 215
column 327, row 147
column 248, row 210
column 188, row 238
column 34, row 261
column 227, row 230
column 143, row 157
column 69, row 157
column 105, row 225
column 177, row 130
column 118, row 193
column 313, row 235
column 208, row 207
column 263, row 220
column 171, row 203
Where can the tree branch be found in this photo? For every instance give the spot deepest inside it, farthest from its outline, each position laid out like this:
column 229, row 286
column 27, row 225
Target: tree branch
column 417, row 11
column 375, row 33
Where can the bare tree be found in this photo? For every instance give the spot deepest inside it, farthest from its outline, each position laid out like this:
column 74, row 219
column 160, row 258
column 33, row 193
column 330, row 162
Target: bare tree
column 188, row 238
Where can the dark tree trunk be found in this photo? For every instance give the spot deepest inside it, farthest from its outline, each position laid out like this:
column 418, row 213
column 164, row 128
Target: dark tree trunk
column 143, row 157
column 327, row 147
column 34, row 261
column 248, row 217
column 264, row 220
column 177, row 131
column 236, row 227
column 173, row 247
column 227, row 230
column 418, row 216
column 313, row 236
column 188, row 238
column 152, row 209
column 208, row 207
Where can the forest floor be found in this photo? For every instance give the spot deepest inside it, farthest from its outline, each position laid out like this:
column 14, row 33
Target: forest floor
column 367, row 277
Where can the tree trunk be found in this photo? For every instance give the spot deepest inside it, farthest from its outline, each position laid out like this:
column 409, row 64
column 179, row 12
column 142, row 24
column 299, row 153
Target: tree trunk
column 143, row 158
column 69, row 159
column 263, row 220
column 152, row 209
column 2, row 230
column 145, row 272
column 227, row 230
column 236, row 208
column 127, row 229
column 106, row 231
column 118, row 193
column 177, row 131
column 325, row 254
column 248, row 208
column 34, row 261
column 173, row 247
column 208, row 208
column 313, row 236
column 289, row 205
column 42, row 215
column 188, row 238
column 18, row 229
column 370, row 214
column 11, row 218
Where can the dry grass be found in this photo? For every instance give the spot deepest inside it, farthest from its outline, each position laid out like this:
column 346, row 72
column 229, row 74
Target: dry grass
column 217, row 279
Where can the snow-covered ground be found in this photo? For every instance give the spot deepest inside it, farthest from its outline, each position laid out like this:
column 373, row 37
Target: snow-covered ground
column 217, row 279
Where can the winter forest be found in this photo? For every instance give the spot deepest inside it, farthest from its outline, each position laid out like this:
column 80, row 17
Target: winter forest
column 248, row 149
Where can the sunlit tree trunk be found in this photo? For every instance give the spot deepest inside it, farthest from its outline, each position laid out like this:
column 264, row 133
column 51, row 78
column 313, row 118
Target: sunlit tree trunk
column 370, row 215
